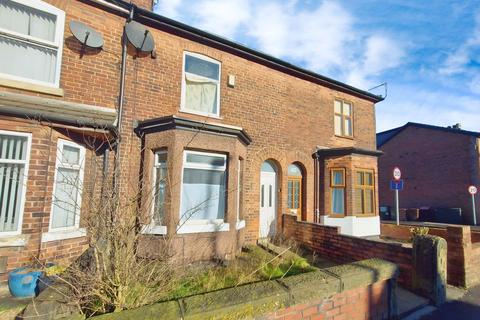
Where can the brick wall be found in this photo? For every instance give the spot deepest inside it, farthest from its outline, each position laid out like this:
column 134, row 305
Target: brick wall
column 463, row 254
column 362, row 303
column 428, row 158
column 327, row 241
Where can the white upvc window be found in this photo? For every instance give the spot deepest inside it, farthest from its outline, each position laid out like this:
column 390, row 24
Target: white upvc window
column 67, row 190
column 240, row 222
column 200, row 85
column 203, row 193
column 31, row 41
column 14, row 161
column 160, row 185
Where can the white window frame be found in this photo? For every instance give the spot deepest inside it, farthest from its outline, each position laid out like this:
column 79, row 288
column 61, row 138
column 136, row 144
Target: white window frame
column 184, row 85
column 56, row 45
column 24, row 187
column 152, row 228
column 201, row 225
column 75, row 230
column 240, row 224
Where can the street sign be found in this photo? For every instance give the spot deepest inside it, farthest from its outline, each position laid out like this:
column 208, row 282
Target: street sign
column 396, row 185
column 397, row 174
column 472, row 190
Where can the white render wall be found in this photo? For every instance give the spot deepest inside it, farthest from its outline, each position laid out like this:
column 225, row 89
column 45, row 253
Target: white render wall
column 354, row 226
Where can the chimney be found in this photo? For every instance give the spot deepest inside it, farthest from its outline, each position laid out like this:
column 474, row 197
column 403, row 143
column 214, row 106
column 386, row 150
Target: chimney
column 457, row 126
column 145, row 4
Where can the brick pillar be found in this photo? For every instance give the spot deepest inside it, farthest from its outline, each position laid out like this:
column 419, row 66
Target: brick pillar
column 459, row 242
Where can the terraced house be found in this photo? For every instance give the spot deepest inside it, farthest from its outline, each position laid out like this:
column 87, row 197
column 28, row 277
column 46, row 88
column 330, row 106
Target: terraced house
column 242, row 137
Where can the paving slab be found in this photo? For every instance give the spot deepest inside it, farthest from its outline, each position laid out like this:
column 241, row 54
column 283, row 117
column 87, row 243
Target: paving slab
column 10, row 306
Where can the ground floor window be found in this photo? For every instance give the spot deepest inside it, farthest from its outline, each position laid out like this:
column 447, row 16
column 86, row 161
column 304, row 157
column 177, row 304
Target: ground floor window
column 14, row 158
column 364, row 192
column 203, row 188
column 160, row 187
column 67, row 191
column 337, row 184
column 294, row 189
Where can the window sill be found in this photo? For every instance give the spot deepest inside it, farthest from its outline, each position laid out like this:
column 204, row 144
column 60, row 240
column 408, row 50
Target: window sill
column 240, row 224
column 63, row 235
column 154, row 230
column 206, row 115
column 200, row 228
column 13, row 241
column 345, row 137
column 31, row 87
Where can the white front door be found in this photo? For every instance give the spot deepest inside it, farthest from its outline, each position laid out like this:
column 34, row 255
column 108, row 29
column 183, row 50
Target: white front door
column 268, row 204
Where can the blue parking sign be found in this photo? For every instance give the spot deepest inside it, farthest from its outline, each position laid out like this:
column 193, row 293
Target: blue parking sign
column 396, row 185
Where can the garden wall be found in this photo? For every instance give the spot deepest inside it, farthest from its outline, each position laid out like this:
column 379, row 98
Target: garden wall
column 328, row 241
column 360, row 290
column 463, row 255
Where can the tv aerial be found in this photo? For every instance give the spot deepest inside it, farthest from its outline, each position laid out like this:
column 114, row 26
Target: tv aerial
column 139, row 37
column 86, row 35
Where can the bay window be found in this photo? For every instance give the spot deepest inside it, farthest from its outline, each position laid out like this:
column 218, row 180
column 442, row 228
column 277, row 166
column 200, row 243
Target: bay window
column 364, row 192
column 337, row 184
column 203, row 191
column 31, row 40
column 14, row 159
column 201, row 85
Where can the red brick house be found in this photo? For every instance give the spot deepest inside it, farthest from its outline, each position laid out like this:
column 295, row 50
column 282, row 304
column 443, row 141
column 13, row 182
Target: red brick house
column 438, row 164
column 242, row 137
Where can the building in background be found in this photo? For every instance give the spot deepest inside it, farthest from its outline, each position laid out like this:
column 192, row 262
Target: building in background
column 438, row 165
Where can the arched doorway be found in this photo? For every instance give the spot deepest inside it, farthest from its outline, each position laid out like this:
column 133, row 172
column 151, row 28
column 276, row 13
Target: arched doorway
column 295, row 190
column 268, row 199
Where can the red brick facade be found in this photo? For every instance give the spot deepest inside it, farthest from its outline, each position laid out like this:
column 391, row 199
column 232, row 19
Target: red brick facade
column 286, row 115
column 362, row 303
column 437, row 165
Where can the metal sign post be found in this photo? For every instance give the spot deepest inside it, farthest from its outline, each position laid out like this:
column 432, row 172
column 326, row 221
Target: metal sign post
column 397, row 175
column 473, row 191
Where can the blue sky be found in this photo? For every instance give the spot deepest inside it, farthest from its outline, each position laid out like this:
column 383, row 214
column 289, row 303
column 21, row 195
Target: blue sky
column 427, row 51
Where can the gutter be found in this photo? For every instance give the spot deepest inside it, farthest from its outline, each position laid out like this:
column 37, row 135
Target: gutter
column 76, row 114
column 281, row 65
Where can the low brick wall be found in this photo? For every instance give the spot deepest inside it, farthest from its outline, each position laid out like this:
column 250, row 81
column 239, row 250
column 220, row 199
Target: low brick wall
column 360, row 290
column 391, row 230
column 328, row 241
column 463, row 254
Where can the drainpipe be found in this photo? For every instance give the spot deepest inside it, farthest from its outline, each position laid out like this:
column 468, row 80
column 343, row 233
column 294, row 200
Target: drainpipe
column 121, row 100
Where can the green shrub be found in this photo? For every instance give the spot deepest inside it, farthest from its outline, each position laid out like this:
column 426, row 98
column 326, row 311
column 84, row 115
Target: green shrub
column 418, row 231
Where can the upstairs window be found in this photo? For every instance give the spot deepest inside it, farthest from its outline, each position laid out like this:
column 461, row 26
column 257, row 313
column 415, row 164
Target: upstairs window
column 201, row 85
column 364, row 192
column 343, row 118
column 31, row 38
column 337, row 184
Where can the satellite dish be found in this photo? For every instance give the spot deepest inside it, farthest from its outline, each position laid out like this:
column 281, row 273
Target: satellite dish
column 139, row 36
column 86, row 35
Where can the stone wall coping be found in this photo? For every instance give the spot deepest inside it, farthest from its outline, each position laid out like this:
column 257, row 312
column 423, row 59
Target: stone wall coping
column 430, row 224
column 258, row 298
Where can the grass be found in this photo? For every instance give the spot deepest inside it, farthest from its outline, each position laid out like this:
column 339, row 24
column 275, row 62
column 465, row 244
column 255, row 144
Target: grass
column 253, row 264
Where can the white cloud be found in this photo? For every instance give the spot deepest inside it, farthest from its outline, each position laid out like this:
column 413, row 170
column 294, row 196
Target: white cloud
column 221, row 17
column 168, row 8
column 381, row 53
column 457, row 61
column 441, row 108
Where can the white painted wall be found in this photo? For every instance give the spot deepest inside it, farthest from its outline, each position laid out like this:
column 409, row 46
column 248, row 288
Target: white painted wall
column 354, row 226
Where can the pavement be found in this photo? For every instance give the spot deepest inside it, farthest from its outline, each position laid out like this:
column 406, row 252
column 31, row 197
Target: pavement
column 10, row 307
